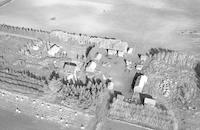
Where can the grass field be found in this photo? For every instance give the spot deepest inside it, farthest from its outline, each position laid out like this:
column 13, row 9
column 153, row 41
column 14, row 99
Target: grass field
column 145, row 24
column 21, row 122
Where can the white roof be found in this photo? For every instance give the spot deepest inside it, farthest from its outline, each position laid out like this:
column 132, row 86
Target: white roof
column 139, row 67
column 53, row 50
column 130, row 50
column 98, row 56
column 35, row 48
column 71, row 76
column 110, row 85
column 120, row 53
column 143, row 57
column 91, row 67
column 150, row 101
column 142, row 81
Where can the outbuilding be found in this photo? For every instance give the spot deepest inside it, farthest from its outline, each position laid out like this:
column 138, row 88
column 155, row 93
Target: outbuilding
column 139, row 67
column 110, row 85
column 53, row 50
column 140, row 82
column 91, row 66
column 130, row 50
column 98, row 57
column 112, row 52
column 150, row 102
column 143, row 58
column 120, row 53
column 120, row 97
column 128, row 62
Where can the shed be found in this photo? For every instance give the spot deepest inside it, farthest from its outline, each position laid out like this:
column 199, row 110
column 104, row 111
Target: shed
column 110, row 85
column 130, row 50
column 91, row 66
column 120, row 97
column 139, row 67
column 69, row 67
column 140, row 82
column 53, row 50
column 112, row 52
column 150, row 102
column 143, row 57
column 98, row 56
column 35, row 47
column 128, row 62
column 120, row 53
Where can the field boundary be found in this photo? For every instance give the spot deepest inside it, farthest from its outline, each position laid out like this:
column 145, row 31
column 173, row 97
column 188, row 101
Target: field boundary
column 136, row 125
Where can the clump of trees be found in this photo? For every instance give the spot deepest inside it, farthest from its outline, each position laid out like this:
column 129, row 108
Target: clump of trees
column 172, row 57
column 35, row 33
column 85, row 93
column 155, row 51
column 197, row 71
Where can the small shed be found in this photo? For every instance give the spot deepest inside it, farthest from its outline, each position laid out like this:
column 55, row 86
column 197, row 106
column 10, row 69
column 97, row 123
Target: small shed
column 110, row 85
column 69, row 67
column 130, row 50
column 143, row 57
column 120, row 53
column 128, row 62
column 112, row 52
column 35, row 47
column 114, row 45
column 70, row 76
column 120, row 97
column 150, row 102
column 139, row 67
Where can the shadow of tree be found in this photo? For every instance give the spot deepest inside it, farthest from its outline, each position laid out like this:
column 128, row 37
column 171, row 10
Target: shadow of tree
column 135, row 79
column 154, row 51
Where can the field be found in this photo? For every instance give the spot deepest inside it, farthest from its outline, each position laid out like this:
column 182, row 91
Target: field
column 21, row 122
column 147, row 25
